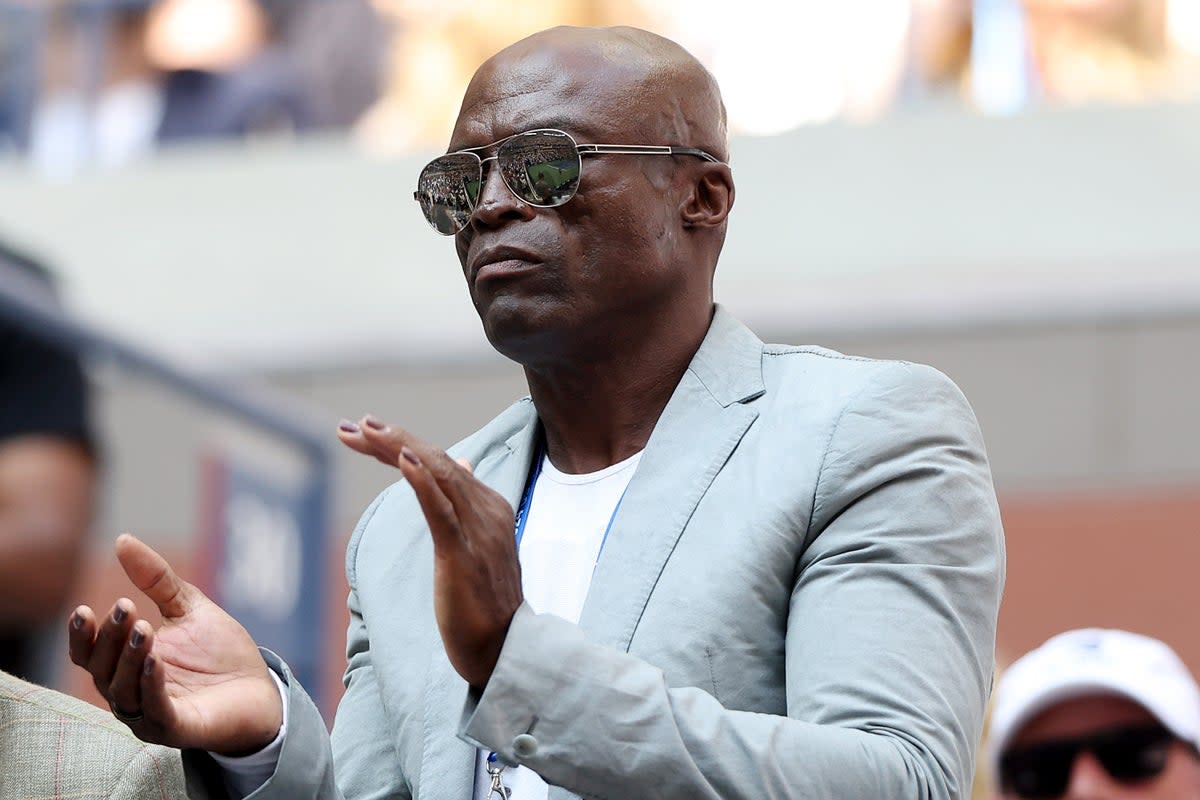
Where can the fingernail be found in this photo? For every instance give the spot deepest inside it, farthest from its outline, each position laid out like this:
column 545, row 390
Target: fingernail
column 373, row 423
column 148, row 666
column 136, row 638
column 76, row 620
column 119, row 614
column 410, row 456
column 348, row 426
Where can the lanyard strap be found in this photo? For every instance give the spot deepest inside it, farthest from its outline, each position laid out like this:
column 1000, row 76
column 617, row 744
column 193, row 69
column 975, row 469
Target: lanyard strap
column 527, row 501
column 527, row 496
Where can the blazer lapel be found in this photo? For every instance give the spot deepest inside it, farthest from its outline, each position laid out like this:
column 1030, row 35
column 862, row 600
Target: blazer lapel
column 447, row 762
column 702, row 424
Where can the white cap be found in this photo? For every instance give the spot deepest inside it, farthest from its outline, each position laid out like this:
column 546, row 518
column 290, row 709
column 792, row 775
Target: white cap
column 1095, row 661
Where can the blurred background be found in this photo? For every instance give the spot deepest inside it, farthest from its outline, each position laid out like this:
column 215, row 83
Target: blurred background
column 220, row 191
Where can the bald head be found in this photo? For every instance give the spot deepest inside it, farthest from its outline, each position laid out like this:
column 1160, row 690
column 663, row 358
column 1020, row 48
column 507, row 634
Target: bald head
column 650, row 87
column 630, row 257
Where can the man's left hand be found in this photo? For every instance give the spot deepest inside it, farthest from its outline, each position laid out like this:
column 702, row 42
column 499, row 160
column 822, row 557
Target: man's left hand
column 476, row 575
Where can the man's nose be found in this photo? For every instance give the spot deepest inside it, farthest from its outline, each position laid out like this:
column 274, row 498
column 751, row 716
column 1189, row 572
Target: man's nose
column 1090, row 781
column 497, row 203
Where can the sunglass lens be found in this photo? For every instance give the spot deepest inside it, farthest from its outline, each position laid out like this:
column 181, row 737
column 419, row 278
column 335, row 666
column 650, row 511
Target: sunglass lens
column 448, row 190
column 1038, row 772
column 541, row 167
column 1132, row 756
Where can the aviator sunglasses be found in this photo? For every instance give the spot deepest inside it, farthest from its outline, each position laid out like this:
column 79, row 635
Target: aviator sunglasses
column 1130, row 755
column 540, row 167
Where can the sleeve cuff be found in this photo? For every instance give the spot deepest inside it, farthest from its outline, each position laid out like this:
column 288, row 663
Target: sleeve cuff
column 244, row 774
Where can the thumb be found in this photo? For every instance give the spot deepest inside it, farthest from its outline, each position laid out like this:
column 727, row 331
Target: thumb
column 151, row 573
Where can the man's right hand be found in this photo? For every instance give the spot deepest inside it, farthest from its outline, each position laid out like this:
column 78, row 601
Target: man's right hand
column 197, row 682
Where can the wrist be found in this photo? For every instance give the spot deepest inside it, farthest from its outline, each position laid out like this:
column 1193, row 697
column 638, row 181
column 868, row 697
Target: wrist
column 272, row 730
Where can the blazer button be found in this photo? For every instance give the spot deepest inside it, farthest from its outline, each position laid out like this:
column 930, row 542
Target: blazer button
column 524, row 745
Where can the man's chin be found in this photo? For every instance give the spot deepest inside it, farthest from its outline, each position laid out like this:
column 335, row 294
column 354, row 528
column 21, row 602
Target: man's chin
column 527, row 333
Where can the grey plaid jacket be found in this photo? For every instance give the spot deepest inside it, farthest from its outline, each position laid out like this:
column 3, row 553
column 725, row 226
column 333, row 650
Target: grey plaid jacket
column 55, row 747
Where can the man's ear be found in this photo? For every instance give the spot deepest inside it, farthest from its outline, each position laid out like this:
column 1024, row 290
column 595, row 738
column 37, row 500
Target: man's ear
column 711, row 198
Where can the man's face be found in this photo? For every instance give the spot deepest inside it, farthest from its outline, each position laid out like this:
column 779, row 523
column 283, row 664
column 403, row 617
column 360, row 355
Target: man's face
column 547, row 282
column 1092, row 715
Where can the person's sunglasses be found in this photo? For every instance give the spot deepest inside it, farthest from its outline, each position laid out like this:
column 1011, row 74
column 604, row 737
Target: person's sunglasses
column 541, row 167
column 1130, row 755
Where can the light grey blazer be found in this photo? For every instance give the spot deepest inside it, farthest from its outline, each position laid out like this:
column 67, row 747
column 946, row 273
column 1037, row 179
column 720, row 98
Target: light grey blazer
column 797, row 599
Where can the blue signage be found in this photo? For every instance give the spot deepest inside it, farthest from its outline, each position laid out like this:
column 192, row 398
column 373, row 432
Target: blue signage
column 265, row 545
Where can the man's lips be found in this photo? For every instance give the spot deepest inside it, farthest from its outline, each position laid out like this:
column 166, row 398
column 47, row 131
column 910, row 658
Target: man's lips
column 500, row 262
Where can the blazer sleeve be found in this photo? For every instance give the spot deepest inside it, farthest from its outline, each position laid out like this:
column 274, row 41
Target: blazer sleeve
column 889, row 652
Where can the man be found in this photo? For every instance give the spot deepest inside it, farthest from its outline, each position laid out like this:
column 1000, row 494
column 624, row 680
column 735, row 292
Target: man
column 746, row 570
column 52, row 745
column 1097, row 714
column 47, row 481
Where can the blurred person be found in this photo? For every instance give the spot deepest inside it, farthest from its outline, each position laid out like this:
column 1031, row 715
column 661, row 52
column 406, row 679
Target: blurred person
column 169, row 71
column 799, row 593
column 225, row 76
column 339, row 51
column 100, row 100
column 1097, row 714
column 55, row 746
column 1100, row 50
column 941, row 35
column 48, row 482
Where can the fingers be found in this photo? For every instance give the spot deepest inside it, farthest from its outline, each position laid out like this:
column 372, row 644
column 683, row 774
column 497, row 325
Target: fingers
column 105, row 650
column 389, row 441
column 114, row 651
column 151, row 573
column 439, row 511
column 95, row 644
column 126, row 671
column 351, row 435
column 370, row 436
column 125, row 688
column 445, row 487
column 81, row 634
column 155, row 705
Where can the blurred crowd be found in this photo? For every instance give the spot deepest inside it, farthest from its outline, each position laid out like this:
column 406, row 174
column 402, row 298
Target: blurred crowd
column 101, row 82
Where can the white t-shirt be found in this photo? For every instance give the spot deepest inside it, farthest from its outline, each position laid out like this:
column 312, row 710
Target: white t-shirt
column 564, row 531
column 568, row 519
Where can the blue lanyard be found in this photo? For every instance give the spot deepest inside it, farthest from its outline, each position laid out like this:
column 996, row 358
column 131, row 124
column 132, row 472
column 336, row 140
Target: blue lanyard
column 527, row 500
column 527, row 496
